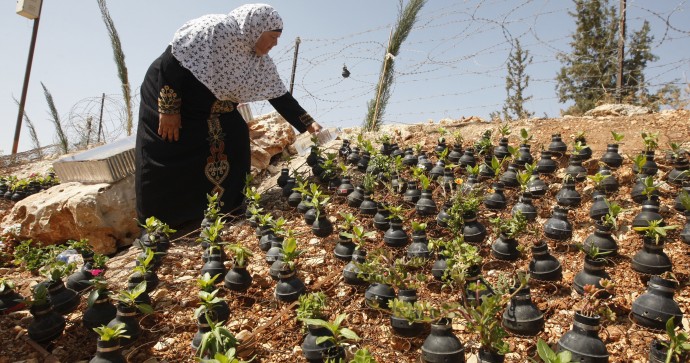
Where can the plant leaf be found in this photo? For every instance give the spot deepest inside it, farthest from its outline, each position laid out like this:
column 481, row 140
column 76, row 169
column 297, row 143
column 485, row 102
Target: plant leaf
column 545, row 352
column 349, row 334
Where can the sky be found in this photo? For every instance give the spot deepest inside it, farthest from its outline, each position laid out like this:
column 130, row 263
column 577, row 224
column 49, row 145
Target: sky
column 452, row 65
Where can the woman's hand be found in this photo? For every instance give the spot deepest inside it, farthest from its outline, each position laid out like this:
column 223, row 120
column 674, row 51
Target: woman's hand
column 169, row 126
column 314, row 128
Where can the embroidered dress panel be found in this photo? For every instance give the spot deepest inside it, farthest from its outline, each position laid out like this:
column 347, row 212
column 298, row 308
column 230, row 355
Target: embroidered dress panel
column 217, row 164
column 168, row 102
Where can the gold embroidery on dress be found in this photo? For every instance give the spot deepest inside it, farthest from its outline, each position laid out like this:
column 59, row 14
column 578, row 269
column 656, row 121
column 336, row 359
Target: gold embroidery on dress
column 222, row 107
column 306, row 119
column 168, row 102
column 217, row 164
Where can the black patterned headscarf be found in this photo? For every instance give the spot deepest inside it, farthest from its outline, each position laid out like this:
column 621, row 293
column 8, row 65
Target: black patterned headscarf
column 219, row 50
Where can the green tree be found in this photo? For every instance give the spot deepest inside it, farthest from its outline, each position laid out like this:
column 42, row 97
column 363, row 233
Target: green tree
column 589, row 71
column 588, row 75
column 638, row 54
column 516, row 83
column 376, row 107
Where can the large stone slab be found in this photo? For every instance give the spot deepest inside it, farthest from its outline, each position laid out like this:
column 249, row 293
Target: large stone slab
column 618, row 109
column 103, row 213
column 270, row 134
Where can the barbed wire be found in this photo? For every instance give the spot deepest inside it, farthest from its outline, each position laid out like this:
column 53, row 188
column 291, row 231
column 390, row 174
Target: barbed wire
column 474, row 51
column 455, row 52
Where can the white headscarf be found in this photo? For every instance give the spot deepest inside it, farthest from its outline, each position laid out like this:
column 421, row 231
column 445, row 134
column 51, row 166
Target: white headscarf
column 219, row 50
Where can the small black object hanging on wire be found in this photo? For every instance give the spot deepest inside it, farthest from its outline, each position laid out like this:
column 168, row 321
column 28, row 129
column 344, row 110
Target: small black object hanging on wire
column 346, row 73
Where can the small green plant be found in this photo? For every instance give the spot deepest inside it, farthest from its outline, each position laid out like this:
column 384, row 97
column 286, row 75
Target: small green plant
column 504, row 130
column 99, row 262
column 525, row 137
column 57, row 270
column 649, row 188
column 512, row 227
column 129, row 298
column 311, row 306
column 418, row 226
column 240, row 254
column 39, row 295
column 496, row 166
column 278, row 226
column 227, row 357
column 100, row 290
column 578, row 146
column 359, row 236
column 207, row 301
column 473, row 170
column 650, row 140
column 460, row 257
column 6, row 285
column 638, row 162
column 678, row 344
column 155, row 227
column 81, row 246
column 523, row 177
column 580, row 137
column 593, row 253
column 348, row 222
column 611, row 218
column 593, row 304
column 547, row 355
column 483, row 318
column 290, row 252
column 144, row 263
column 369, row 182
column 219, row 340
column 211, row 234
column 383, row 268
column 318, row 200
column 106, row 334
column 330, row 166
column 483, row 146
column 655, row 230
column 395, row 212
column 206, row 282
column 424, row 181
column 213, row 209
column 33, row 257
column 617, row 138
column 363, row 356
column 684, row 198
column 419, row 311
column 457, row 138
column 676, row 151
column 339, row 334
column 598, row 180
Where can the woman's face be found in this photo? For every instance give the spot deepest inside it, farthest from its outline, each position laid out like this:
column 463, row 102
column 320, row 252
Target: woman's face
column 266, row 41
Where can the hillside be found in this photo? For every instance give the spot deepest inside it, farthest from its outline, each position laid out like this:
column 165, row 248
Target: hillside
column 269, row 329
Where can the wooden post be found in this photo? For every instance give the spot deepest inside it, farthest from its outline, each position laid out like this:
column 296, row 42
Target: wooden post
column 621, row 54
column 294, row 64
column 100, row 121
column 25, row 87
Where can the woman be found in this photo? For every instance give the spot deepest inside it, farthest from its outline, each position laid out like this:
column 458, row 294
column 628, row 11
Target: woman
column 191, row 139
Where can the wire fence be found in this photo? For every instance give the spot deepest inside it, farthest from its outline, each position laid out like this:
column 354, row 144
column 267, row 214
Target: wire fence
column 29, row 155
column 454, row 62
column 452, row 65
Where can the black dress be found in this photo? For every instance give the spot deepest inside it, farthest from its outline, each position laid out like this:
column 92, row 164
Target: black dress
column 212, row 154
